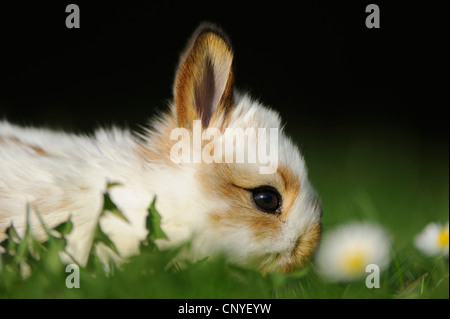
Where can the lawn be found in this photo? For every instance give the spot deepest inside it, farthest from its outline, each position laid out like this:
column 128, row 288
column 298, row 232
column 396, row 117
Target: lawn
column 387, row 176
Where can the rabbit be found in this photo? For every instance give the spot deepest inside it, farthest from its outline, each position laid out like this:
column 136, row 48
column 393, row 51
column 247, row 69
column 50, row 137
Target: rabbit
column 269, row 221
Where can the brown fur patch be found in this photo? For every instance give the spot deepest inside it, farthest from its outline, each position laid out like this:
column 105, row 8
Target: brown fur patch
column 146, row 154
column 25, row 146
column 290, row 190
column 225, row 181
column 155, row 145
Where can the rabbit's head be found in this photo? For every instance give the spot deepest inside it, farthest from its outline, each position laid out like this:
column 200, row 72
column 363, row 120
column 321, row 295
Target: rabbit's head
column 256, row 204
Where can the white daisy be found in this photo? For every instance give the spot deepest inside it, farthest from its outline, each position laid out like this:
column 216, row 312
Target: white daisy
column 433, row 240
column 346, row 251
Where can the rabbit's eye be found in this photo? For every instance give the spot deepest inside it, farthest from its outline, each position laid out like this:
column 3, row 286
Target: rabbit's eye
column 267, row 199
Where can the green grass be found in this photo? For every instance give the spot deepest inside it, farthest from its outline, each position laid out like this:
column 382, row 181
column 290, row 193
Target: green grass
column 393, row 178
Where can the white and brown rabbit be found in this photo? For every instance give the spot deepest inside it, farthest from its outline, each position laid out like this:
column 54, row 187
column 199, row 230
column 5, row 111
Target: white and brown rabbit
column 228, row 207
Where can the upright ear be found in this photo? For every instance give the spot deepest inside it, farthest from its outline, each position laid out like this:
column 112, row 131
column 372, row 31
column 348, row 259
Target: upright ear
column 203, row 86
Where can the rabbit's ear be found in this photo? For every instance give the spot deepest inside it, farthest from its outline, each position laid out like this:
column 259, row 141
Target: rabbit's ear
column 203, row 86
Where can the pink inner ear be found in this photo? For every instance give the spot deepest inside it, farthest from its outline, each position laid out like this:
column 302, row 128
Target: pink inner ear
column 209, row 91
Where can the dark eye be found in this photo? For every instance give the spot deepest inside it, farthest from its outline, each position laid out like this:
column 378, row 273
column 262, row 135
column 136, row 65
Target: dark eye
column 267, row 199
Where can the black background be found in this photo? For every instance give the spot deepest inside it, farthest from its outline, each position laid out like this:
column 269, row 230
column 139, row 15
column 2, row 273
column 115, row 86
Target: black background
column 315, row 62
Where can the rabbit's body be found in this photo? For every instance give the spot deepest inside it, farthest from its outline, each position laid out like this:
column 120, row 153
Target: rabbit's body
column 215, row 205
column 59, row 174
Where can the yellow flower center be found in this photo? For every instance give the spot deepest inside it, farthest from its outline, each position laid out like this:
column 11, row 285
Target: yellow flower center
column 443, row 237
column 354, row 262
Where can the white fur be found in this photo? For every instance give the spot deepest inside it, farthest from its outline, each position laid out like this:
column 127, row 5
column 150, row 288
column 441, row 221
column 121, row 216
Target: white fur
column 80, row 163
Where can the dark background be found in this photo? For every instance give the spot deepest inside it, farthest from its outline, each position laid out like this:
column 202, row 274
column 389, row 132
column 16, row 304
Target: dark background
column 316, row 62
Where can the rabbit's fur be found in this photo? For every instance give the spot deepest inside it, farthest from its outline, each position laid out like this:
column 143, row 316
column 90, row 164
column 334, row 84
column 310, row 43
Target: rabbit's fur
column 61, row 174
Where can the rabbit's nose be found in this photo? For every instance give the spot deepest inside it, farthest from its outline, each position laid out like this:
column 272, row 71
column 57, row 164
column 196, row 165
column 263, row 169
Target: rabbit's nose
column 303, row 248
